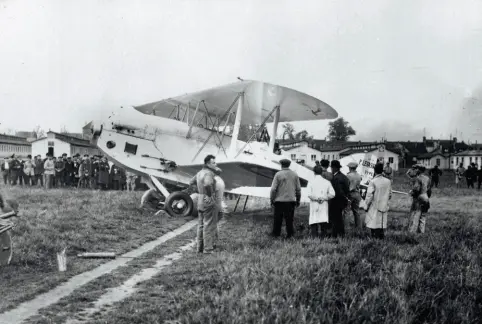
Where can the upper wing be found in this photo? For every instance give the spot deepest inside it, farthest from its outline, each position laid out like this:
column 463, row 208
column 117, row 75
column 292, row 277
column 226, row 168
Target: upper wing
column 259, row 99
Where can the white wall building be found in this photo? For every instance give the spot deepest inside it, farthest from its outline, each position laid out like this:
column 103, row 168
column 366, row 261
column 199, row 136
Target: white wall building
column 435, row 158
column 466, row 158
column 302, row 152
column 58, row 144
column 14, row 145
column 384, row 155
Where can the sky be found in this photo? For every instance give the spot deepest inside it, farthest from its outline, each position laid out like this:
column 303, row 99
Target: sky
column 396, row 69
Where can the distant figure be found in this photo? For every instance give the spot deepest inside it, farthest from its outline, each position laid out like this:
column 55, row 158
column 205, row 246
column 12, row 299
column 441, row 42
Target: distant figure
column 420, row 202
column 435, row 174
column 205, row 183
column 378, row 194
column 285, row 196
column 5, row 171
column 341, row 185
column 459, row 173
column 49, row 168
column 387, row 171
column 326, row 174
column 317, row 163
column 354, row 194
column 85, row 173
column 29, row 171
column 479, row 177
column 470, row 175
column 320, row 191
column 39, row 171
column 131, row 181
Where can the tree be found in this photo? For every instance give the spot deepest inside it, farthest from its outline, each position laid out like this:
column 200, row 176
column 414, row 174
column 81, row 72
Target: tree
column 340, row 130
column 38, row 132
column 302, row 135
column 63, row 130
column 289, row 131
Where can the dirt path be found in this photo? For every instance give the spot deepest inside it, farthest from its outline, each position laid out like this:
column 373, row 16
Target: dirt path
column 31, row 308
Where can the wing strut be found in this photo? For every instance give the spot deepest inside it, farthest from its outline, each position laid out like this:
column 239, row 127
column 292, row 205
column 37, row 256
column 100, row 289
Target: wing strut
column 224, row 115
column 259, row 128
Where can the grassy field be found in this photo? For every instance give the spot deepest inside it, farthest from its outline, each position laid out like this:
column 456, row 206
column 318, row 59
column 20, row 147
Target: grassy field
column 434, row 277
column 78, row 220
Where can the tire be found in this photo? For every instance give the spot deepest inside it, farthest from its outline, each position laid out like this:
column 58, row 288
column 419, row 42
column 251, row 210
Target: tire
column 176, row 196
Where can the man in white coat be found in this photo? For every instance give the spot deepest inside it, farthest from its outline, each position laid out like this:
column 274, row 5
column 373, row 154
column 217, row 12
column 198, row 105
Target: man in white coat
column 378, row 194
column 320, row 191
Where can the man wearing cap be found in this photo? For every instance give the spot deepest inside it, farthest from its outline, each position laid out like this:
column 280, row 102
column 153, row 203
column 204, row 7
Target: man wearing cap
column 420, row 201
column 285, row 195
column 39, row 171
column 85, row 172
column 49, row 171
column 378, row 194
column 341, row 185
column 59, row 172
column 354, row 195
column 387, row 171
column 459, row 173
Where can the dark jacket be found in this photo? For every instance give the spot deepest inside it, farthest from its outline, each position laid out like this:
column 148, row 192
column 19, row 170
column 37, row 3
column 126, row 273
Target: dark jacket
column 341, row 185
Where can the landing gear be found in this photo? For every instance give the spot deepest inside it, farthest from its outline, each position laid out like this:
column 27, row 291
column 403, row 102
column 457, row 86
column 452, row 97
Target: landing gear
column 176, row 204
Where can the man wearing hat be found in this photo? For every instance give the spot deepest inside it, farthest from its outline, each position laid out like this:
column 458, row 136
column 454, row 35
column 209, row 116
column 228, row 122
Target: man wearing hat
column 49, row 171
column 326, row 174
column 341, row 185
column 354, row 195
column 420, row 201
column 378, row 194
column 285, row 196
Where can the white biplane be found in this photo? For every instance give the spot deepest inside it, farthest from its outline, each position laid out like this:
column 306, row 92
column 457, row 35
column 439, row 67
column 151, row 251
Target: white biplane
column 166, row 141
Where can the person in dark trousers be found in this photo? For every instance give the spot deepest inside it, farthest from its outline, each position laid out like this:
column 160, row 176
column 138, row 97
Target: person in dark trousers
column 341, row 185
column 285, row 196
column 479, row 177
column 39, row 171
column 435, row 174
column 470, row 175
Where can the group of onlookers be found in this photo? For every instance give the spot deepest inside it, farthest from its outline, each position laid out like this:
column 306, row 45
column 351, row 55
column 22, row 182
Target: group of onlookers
column 64, row 172
column 472, row 175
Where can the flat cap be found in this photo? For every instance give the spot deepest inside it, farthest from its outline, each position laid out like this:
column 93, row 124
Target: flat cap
column 352, row 165
column 285, row 162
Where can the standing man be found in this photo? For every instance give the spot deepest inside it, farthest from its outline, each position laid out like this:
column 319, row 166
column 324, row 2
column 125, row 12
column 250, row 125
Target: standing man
column 320, row 192
column 131, row 181
column 15, row 170
column 39, row 171
column 29, row 171
column 479, row 177
column 378, row 194
column 354, row 195
column 326, row 174
column 69, row 172
column 219, row 189
column 388, row 171
column 470, row 175
column 285, row 196
column 435, row 174
column 49, row 168
column 5, row 171
column 420, row 202
column 206, row 229
column 59, row 172
column 459, row 173
column 341, row 185
column 85, row 172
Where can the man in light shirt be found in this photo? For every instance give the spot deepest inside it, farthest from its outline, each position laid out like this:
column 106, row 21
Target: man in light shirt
column 320, row 192
column 5, row 171
column 354, row 194
column 49, row 172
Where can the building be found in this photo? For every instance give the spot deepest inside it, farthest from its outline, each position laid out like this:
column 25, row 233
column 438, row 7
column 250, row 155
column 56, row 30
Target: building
column 10, row 145
column 378, row 149
column 300, row 151
column 435, row 158
column 466, row 158
column 57, row 144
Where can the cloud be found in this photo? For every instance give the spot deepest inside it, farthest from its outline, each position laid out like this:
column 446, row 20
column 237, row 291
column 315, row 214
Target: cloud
column 391, row 130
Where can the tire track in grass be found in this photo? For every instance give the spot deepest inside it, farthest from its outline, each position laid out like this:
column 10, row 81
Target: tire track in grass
column 31, row 308
column 126, row 289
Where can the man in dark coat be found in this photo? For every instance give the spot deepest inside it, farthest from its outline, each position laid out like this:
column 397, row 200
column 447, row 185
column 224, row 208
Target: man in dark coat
column 435, row 174
column 341, row 185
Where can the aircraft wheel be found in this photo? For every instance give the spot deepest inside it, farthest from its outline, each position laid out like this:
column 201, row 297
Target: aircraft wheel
column 179, row 204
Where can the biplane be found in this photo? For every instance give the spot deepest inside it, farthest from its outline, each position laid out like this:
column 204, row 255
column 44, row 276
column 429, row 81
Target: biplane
column 166, row 141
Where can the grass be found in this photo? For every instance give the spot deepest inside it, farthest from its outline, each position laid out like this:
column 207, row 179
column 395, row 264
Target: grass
column 434, row 277
column 78, row 220
column 406, row 278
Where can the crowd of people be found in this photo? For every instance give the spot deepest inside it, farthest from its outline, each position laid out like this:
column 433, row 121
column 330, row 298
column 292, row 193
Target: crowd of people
column 472, row 175
column 332, row 195
column 94, row 172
